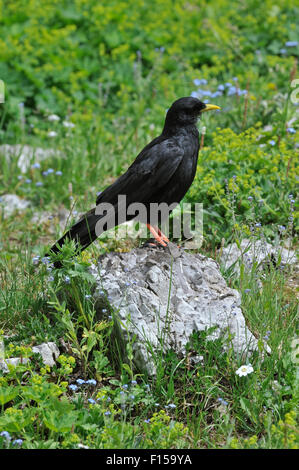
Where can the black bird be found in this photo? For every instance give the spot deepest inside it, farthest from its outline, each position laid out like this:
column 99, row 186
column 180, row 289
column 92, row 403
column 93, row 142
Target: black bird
column 162, row 172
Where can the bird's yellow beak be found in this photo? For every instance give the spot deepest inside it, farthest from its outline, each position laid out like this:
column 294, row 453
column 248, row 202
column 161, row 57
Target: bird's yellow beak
column 210, row 107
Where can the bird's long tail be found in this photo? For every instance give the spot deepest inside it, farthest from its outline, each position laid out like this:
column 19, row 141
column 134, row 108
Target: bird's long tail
column 83, row 232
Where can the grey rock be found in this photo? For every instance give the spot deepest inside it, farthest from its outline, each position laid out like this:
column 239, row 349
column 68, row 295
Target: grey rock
column 256, row 251
column 14, row 361
column 10, row 203
column 26, row 155
column 48, row 351
column 60, row 217
column 159, row 296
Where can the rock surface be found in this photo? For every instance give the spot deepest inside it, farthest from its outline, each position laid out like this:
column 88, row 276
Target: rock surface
column 25, row 154
column 10, row 203
column 14, row 361
column 61, row 217
column 48, row 351
column 259, row 252
column 151, row 307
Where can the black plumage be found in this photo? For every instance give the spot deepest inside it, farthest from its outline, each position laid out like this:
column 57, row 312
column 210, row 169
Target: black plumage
column 162, row 172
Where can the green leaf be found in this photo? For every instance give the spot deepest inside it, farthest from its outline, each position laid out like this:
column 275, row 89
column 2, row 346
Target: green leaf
column 7, row 394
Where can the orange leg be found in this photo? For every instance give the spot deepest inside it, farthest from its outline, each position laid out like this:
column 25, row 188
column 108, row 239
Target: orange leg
column 158, row 235
column 163, row 236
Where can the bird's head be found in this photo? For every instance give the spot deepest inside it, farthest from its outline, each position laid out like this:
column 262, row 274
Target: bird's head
column 186, row 111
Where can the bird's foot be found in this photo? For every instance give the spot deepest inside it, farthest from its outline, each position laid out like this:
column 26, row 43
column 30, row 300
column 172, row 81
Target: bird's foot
column 158, row 235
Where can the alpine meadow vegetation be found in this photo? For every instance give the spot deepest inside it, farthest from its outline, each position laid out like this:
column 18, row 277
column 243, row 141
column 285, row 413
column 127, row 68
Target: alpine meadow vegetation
column 90, row 82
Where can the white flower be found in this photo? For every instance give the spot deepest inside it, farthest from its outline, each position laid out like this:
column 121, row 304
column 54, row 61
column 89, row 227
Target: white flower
column 52, row 134
column 82, row 446
column 68, row 124
column 53, row 117
column 244, row 370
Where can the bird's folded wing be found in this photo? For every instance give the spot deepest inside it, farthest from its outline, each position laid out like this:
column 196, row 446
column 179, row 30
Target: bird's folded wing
column 151, row 170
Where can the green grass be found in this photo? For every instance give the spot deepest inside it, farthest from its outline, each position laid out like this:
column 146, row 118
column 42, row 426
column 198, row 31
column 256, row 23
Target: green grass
column 101, row 68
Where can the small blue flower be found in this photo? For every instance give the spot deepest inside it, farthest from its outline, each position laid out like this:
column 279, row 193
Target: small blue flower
column 107, row 413
column 258, row 224
column 58, row 173
column 67, row 279
column 205, row 92
column 20, row 177
column 92, row 401
column 216, row 94
column 51, row 278
column 246, row 291
column 221, row 87
column 35, row 165
column 283, row 51
column 147, row 421
column 91, row 382
column 6, row 435
column 194, row 94
column 17, row 442
column 222, row 401
column 171, row 405
column 80, row 381
column 73, row 387
column 45, row 173
column 250, row 198
column 133, row 382
column 45, row 260
column 232, row 91
column 291, row 130
column 125, row 386
column 132, row 397
column 50, row 170
column 228, row 85
column 39, row 183
column 28, row 181
column 272, row 142
column 198, row 82
column 291, row 43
